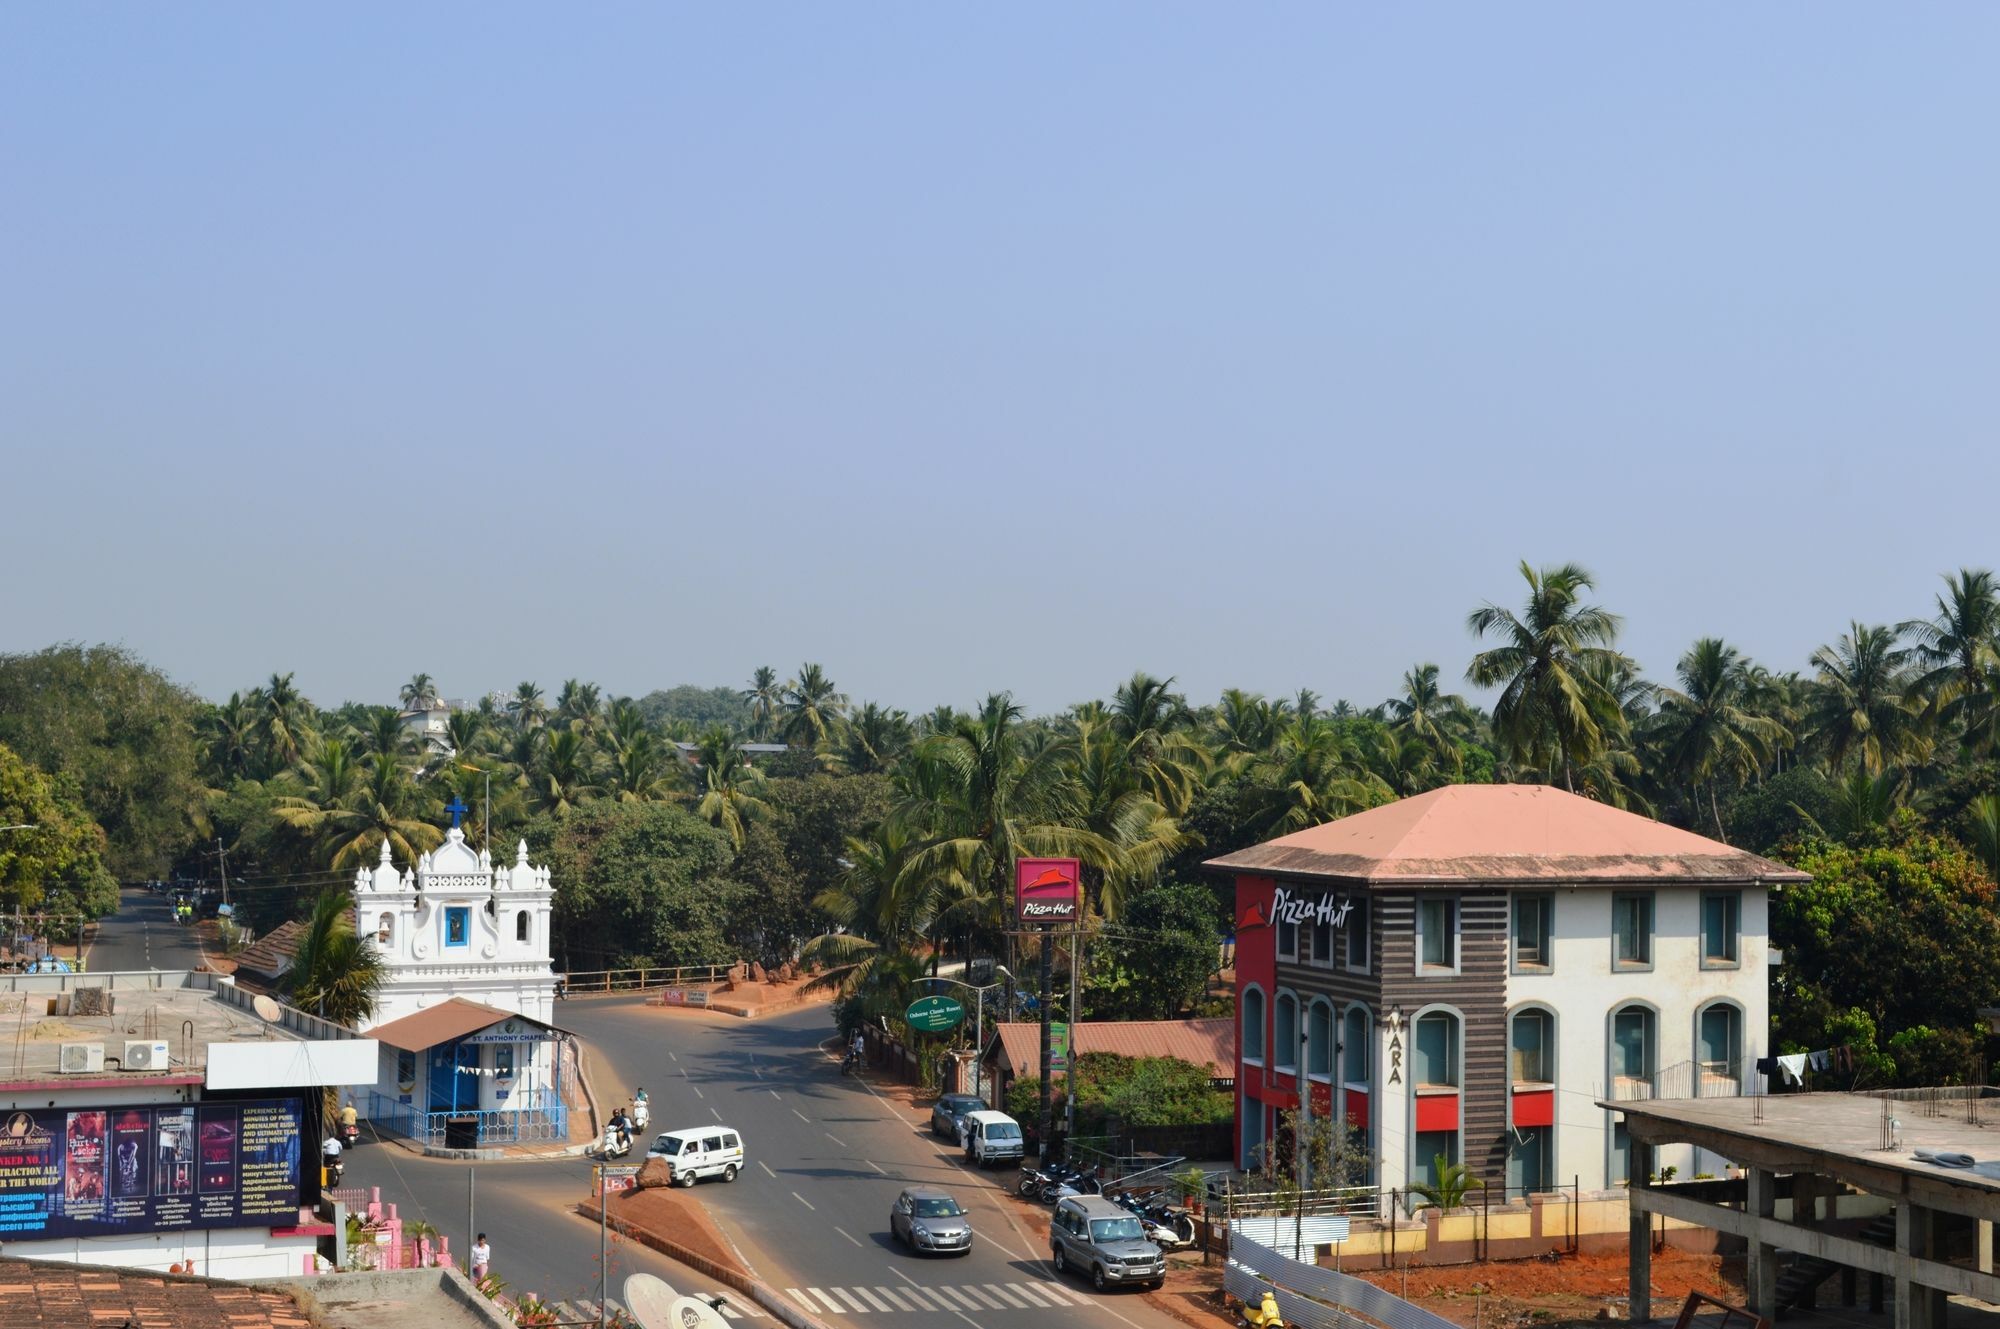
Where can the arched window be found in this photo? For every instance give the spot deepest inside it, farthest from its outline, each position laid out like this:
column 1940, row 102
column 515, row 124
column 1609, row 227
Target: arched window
column 1531, row 1047
column 1718, row 1046
column 385, row 929
column 1319, row 1040
column 1253, row 1026
column 1285, row 1037
column 1634, row 1051
column 1354, row 1045
column 521, row 925
column 1434, row 1046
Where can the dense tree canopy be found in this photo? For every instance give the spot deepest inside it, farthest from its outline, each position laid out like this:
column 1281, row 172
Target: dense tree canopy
column 50, row 849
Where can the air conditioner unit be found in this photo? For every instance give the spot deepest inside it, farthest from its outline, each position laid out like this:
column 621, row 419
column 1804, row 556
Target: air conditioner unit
column 145, row 1056
column 78, row 1058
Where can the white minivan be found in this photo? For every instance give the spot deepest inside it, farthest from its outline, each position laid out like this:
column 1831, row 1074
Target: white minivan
column 700, row 1151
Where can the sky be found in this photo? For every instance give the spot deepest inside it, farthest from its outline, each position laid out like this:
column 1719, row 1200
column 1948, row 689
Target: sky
column 966, row 348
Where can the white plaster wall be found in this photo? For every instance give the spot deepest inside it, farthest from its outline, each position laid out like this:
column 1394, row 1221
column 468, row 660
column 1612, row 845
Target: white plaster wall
column 1583, row 990
column 216, row 1252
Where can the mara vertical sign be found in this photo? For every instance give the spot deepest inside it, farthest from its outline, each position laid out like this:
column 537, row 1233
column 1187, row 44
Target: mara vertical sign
column 1046, row 890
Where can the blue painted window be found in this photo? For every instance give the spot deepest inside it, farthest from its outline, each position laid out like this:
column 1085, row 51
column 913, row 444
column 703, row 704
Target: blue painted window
column 457, row 923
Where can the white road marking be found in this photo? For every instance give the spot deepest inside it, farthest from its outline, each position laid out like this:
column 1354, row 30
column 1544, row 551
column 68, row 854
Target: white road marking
column 671, row 1056
column 877, row 1166
column 836, row 1139
column 697, row 1089
column 955, row 1295
column 808, row 1204
column 917, row 1293
column 1039, row 1295
column 897, row 1297
column 717, row 1115
column 774, row 1093
column 1005, row 1295
column 801, row 1116
column 990, row 1302
column 845, row 1233
column 872, row 1299
column 849, row 1298
column 831, row 1304
column 767, row 1169
column 803, row 1300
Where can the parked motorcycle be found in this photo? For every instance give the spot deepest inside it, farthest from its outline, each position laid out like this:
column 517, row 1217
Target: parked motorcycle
column 1088, row 1181
column 1264, row 1315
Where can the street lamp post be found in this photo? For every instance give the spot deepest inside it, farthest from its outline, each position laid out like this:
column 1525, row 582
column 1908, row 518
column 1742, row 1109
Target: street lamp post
column 978, row 1018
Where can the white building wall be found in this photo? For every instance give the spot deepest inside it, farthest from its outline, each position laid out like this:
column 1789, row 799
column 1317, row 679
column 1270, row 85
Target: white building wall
column 216, row 1252
column 1583, row 989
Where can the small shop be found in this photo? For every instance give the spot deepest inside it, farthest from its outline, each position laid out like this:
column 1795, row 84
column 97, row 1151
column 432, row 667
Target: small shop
column 461, row 1075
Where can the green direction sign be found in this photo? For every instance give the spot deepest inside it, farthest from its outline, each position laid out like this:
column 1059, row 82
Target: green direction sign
column 934, row 1015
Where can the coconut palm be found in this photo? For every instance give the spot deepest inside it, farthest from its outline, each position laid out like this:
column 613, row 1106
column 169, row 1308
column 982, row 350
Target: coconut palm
column 765, row 695
column 229, row 738
column 335, row 972
column 1983, row 813
column 1314, row 774
column 880, row 911
column 1425, row 709
column 564, row 777
column 1708, row 729
column 872, row 740
column 1553, row 712
column 384, row 732
column 1861, row 803
column 284, row 726
column 813, row 707
column 1861, row 707
column 1161, row 750
column 727, row 796
column 1244, row 725
column 419, row 694
column 640, row 772
column 576, row 705
column 465, row 731
column 1114, row 801
column 527, row 706
column 1959, row 650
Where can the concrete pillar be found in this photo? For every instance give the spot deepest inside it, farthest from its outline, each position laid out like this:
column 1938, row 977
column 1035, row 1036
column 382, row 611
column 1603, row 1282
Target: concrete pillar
column 1913, row 1301
column 1763, row 1207
column 1639, row 1236
column 1805, row 1209
column 1985, row 1245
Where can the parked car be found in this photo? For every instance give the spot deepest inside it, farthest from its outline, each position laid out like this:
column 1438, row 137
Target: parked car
column 700, row 1151
column 992, row 1137
column 1093, row 1236
column 925, row 1218
column 949, row 1111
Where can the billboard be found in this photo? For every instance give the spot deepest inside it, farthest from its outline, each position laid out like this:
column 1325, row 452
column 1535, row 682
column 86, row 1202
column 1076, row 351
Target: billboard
column 99, row 1172
column 1046, row 890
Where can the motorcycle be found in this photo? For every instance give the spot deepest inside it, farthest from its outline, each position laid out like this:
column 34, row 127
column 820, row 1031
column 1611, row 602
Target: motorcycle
column 850, row 1063
column 334, row 1169
column 615, row 1144
column 1078, row 1182
column 1264, row 1315
column 350, row 1135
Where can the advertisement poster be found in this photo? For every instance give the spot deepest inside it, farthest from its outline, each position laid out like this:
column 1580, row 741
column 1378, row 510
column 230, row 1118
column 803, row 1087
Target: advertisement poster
column 1046, row 890
column 100, row 1171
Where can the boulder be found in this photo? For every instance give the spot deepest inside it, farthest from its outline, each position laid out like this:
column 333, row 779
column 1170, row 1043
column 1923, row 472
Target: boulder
column 655, row 1171
column 757, row 974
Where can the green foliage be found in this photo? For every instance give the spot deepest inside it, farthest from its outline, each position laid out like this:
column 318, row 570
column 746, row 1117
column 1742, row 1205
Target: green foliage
column 122, row 733
column 1778, row 811
column 335, row 973
column 1157, row 960
column 1449, row 1184
column 1119, row 1092
column 696, row 708
column 641, row 883
column 53, row 861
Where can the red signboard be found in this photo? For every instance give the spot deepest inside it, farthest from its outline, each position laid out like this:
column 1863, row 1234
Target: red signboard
column 1534, row 1107
column 1437, row 1112
column 1046, row 890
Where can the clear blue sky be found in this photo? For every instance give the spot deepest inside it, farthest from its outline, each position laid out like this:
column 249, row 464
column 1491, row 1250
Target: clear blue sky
column 975, row 347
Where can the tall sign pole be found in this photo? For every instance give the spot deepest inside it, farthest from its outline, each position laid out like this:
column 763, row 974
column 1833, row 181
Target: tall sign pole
column 1047, row 893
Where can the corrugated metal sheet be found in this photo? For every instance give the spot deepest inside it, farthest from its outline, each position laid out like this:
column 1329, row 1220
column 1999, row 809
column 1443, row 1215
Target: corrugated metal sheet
column 1326, row 1289
column 1285, row 1234
column 1210, row 1043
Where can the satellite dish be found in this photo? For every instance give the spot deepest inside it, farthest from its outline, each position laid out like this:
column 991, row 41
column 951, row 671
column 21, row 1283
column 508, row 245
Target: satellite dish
column 694, row 1313
column 651, row 1302
column 266, row 1008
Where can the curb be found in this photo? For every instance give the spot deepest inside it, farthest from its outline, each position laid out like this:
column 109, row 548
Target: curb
column 757, row 1290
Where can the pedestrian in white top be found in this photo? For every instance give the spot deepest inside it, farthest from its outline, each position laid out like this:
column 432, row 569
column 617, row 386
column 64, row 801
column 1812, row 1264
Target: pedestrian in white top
column 482, row 1258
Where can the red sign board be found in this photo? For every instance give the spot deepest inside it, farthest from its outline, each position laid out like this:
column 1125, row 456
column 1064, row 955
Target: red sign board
column 1047, row 890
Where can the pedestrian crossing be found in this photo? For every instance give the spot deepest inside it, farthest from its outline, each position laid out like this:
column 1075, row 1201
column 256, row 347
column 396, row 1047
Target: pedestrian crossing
column 859, row 1300
column 583, row 1310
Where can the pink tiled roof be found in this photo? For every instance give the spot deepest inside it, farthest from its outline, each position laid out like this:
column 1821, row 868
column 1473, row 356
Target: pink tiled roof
column 1502, row 832
column 1210, row 1043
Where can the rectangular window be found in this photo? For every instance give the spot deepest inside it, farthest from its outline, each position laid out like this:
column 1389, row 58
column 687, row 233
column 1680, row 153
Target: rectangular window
column 1528, row 1052
column 503, row 1062
column 1530, row 1158
column 1532, row 917
column 1428, row 1146
column 406, row 1072
column 1437, row 928
column 1434, row 1063
column 1717, row 1052
column 457, row 921
column 1632, row 1044
column 1632, row 932
column 1721, row 926
column 1288, row 941
column 1322, row 945
column 1357, row 939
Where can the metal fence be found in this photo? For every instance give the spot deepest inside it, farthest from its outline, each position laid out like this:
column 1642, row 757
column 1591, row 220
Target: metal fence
column 1316, row 1298
column 547, row 1123
column 638, row 980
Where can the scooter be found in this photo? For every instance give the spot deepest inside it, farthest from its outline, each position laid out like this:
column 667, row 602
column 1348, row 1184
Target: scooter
column 642, row 1113
column 1086, row 1182
column 615, row 1144
column 1264, row 1315
column 333, row 1170
column 350, row 1135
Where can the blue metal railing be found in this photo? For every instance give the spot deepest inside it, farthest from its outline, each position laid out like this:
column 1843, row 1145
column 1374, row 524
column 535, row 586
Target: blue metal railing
column 545, row 1123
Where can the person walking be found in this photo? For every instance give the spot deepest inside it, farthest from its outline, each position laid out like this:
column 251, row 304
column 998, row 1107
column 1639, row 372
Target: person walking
column 482, row 1258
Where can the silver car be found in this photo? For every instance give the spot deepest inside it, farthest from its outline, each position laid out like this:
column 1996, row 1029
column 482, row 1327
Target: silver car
column 925, row 1218
column 1094, row 1236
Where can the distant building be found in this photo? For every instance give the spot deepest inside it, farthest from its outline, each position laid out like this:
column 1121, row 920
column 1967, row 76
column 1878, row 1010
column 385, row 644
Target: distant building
column 429, row 725
column 264, row 963
column 464, row 947
column 1464, row 973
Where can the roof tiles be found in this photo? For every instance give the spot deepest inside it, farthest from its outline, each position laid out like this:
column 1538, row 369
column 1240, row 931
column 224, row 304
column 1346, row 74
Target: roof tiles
column 1210, row 1043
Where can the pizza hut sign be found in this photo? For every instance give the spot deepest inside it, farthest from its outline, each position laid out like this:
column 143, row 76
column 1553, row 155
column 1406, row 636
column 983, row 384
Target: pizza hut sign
column 1323, row 909
column 1046, row 890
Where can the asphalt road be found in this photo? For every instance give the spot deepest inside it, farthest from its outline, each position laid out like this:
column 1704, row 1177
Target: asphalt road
column 142, row 935
column 828, row 1156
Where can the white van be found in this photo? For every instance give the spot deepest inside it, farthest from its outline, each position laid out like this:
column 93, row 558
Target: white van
column 992, row 1137
column 700, row 1151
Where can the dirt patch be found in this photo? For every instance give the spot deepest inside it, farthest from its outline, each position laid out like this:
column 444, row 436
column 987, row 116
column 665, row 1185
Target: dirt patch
column 1552, row 1291
column 678, row 1218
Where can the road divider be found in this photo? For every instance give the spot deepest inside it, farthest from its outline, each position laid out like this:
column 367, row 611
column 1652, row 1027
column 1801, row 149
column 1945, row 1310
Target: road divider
column 755, row 1288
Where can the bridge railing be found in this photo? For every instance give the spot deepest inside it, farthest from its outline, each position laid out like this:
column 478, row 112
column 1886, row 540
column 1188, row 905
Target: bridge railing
column 639, row 980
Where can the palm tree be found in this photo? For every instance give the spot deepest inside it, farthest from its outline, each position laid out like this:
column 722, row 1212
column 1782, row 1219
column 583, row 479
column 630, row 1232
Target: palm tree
column 1984, row 814
column 385, row 733
column 335, row 972
column 1448, row 1185
column 285, row 725
column 1861, row 803
column 872, row 740
column 814, row 704
column 726, row 799
column 1860, row 708
column 881, row 912
column 348, row 811
column 1244, row 725
column 1552, row 710
column 1155, row 725
column 1428, row 712
column 1115, row 802
column 1314, row 774
column 229, row 735
column 576, row 704
column 639, row 772
column 1960, row 646
column 1707, row 728
column 765, row 695
column 527, row 706
column 464, row 730
column 419, row 694
column 563, row 779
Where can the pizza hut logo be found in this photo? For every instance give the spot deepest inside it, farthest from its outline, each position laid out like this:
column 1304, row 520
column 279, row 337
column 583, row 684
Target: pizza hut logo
column 1046, row 889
